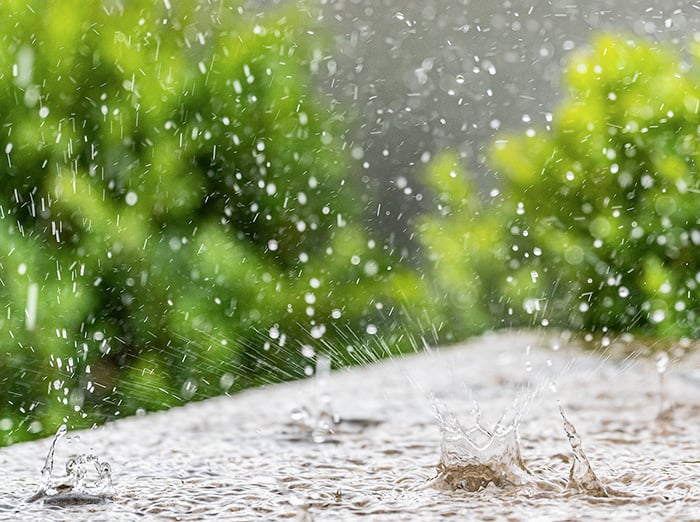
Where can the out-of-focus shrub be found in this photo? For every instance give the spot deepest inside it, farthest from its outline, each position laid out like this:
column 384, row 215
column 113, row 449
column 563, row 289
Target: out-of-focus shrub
column 177, row 217
column 604, row 206
column 463, row 245
column 598, row 225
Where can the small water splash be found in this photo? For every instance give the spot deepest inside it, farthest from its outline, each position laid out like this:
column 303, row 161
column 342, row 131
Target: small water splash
column 300, row 503
column 320, row 420
column 662, row 361
column 581, row 475
column 320, row 425
column 475, row 457
column 87, row 479
column 47, row 470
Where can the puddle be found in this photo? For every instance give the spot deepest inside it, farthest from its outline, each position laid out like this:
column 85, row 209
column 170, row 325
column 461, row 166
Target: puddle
column 592, row 447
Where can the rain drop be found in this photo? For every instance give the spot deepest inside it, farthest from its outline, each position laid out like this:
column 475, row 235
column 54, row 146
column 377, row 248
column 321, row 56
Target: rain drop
column 131, row 198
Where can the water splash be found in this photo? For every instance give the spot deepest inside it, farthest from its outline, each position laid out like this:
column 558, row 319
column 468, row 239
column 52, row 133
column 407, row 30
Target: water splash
column 87, row 479
column 475, row 457
column 300, row 503
column 319, row 421
column 319, row 424
column 581, row 475
column 662, row 361
column 47, row 470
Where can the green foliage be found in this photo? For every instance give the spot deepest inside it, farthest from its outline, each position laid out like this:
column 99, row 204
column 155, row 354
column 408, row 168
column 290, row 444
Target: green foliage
column 462, row 245
column 178, row 220
column 598, row 227
column 609, row 196
column 178, row 202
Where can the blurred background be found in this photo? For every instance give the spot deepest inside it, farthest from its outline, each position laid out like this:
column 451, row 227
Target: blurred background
column 204, row 196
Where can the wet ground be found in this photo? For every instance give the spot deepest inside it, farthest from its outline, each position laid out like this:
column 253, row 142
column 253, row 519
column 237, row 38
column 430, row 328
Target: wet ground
column 247, row 458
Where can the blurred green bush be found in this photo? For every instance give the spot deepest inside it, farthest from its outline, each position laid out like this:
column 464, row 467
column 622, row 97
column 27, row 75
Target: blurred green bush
column 464, row 252
column 177, row 216
column 597, row 225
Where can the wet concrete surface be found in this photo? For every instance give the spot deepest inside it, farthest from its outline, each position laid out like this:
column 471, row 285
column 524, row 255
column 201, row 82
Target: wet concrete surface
column 244, row 458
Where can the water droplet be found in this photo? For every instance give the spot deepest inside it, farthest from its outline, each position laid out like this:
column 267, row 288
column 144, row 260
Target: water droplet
column 658, row 316
column 318, row 331
column 357, row 153
column 581, row 475
column 662, row 362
